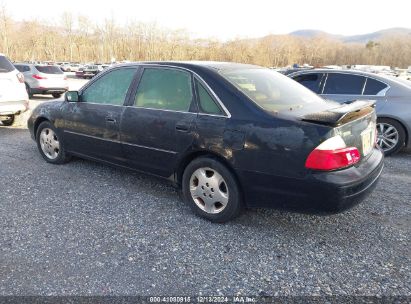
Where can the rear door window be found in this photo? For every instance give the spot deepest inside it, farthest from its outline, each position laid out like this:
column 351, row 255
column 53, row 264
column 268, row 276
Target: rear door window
column 49, row 69
column 167, row 89
column 374, row 87
column 344, row 84
column 206, row 102
column 5, row 65
column 310, row 81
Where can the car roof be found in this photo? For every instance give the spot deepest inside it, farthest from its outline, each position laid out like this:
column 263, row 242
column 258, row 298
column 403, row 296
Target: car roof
column 211, row 65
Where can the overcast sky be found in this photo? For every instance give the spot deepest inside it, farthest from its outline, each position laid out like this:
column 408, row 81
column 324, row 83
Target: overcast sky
column 227, row 19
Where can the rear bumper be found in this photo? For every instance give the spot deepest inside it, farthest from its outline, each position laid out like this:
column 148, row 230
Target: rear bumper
column 318, row 192
column 13, row 107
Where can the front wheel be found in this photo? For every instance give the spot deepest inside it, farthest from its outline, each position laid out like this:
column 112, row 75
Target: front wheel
column 211, row 190
column 56, row 95
column 49, row 144
column 390, row 135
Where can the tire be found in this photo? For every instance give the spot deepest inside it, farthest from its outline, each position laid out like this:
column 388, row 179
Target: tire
column 391, row 135
column 215, row 199
column 53, row 151
column 56, row 95
column 28, row 90
column 9, row 121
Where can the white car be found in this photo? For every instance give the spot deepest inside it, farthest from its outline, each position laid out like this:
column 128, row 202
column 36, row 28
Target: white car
column 13, row 95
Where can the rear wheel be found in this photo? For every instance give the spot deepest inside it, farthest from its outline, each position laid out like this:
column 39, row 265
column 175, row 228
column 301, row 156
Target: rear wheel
column 49, row 144
column 56, row 95
column 8, row 120
column 390, row 135
column 211, row 190
column 28, row 90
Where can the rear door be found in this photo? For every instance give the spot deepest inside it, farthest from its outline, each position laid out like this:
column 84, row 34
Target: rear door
column 157, row 126
column 92, row 125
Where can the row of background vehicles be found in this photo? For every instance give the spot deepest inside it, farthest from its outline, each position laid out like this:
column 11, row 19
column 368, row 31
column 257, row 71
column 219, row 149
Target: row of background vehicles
column 392, row 95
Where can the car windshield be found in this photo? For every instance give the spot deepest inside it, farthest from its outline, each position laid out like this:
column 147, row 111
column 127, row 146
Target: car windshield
column 5, row 65
column 49, row 69
column 271, row 90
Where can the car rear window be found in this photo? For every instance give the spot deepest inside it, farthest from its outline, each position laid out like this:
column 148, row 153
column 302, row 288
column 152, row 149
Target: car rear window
column 48, row 69
column 271, row 90
column 5, row 65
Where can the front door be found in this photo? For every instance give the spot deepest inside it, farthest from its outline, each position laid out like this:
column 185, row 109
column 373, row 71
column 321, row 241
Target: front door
column 92, row 124
column 157, row 127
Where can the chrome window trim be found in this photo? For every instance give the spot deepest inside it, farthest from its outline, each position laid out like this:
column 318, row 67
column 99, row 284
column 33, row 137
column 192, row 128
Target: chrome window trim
column 347, row 73
column 165, row 110
column 143, row 64
column 96, row 103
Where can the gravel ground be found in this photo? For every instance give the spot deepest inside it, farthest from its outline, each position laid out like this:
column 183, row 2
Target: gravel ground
column 88, row 229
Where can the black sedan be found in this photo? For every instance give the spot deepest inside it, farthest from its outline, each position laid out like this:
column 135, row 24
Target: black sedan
column 230, row 135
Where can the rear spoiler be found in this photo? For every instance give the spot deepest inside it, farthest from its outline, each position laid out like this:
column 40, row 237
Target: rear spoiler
column 341, row 115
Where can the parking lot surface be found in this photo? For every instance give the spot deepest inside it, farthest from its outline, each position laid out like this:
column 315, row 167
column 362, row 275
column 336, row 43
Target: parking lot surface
column 88, row 229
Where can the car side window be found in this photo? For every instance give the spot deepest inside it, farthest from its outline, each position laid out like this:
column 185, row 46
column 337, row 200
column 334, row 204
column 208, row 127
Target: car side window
column 206, row 102
column 167, row 89
column 111, row 88
column 344, row 84
column 311, row 81
column 374, row 87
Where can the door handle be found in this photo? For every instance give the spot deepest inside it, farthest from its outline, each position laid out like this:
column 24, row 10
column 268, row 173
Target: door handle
column 111, row 120
column 182, row 127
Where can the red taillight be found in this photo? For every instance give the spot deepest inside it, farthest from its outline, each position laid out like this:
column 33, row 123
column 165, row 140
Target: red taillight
column 331, row 155
column 39, row 77
column 20, row 77
column 332, row 159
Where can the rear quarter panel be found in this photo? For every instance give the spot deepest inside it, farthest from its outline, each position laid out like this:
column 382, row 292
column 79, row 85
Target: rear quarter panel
column 397, row 108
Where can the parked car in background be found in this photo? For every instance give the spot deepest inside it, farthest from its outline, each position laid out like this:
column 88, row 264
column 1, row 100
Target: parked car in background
column 80, row 72
column 65, row 66
column 232, row 135
column 13, row 96
column 92, row 70
column 74, row 67
column 70, row 67
column 43, row 79
column 393, row 96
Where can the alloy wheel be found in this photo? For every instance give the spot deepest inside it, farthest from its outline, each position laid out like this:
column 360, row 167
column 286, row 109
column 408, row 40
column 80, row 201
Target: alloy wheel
column 387, row 136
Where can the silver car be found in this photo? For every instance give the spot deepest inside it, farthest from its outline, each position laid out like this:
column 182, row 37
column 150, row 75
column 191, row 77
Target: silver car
column 13, row 96
column 392, row 96
column 43, row 79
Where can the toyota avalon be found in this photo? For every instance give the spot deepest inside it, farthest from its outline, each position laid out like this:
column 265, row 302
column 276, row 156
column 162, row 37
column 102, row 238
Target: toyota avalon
column 229, row 135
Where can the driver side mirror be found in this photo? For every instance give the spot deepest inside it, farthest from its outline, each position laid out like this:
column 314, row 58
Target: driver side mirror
column 72, row 96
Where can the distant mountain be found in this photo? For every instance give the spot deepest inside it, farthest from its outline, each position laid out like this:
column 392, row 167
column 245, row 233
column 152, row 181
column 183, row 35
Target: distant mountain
column 314, row 33
column 355, row 38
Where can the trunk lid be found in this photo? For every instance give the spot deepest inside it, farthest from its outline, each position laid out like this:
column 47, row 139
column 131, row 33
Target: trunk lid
column 354, row 122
